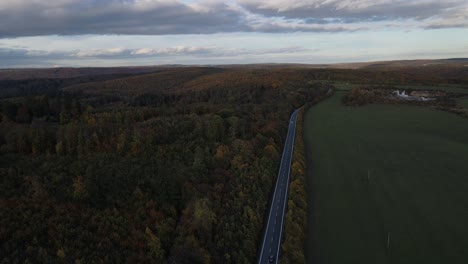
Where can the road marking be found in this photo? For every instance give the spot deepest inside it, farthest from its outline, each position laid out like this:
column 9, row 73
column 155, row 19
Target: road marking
column 283, row 178
column 288, row 179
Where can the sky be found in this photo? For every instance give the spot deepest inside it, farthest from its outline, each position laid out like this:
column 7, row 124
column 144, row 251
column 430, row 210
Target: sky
column 77, row 33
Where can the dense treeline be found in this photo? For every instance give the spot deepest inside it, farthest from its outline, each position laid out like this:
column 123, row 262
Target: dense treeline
column 46, row 86
column 70, row 73
column 295, row 226
column 142, row 172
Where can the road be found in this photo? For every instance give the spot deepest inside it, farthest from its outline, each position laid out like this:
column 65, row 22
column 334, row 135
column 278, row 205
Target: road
column 274, row 230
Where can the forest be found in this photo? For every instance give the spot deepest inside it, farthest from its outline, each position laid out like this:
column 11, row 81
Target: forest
column 173, row 166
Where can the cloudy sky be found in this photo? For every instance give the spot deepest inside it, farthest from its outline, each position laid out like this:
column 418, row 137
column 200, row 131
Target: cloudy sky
column 40, row 33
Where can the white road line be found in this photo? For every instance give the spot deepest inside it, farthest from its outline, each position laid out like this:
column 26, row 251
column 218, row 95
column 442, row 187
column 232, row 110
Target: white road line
column 286, row 194
column 285, row 169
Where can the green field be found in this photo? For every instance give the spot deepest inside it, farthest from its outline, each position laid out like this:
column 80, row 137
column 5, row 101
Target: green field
column 387, row 184
column 462, row 102
column 446, row 87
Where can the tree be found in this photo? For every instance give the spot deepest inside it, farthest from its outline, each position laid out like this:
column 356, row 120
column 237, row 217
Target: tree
column 59, row 148
column 10, row 110
column 233, row 122
column 154, row 246
column 23, row 115
column 203, row 219
column 38, row 141
column 61, row 253
column 271, row 152
column 79, row 188
column 123, row 142
column 214, row 128
column 222, row 151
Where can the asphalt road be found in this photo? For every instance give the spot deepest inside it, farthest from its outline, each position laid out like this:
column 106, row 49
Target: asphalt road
column 274, row 230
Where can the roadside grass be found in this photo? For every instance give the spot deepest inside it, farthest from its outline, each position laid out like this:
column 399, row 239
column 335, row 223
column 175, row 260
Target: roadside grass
column 296, row 214
column 386, row 184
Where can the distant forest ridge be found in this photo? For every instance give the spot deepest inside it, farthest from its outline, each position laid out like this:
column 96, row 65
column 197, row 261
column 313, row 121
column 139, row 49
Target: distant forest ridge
column 70, row 72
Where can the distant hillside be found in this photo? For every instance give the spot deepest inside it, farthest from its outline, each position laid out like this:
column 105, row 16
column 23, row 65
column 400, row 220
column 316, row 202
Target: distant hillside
column 59, row 73
column 457, row 62
column 187, row 79
column 161, row 81
column 22, row 74
column 127, row 81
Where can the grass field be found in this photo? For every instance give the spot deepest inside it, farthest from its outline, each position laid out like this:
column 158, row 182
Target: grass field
column 447, row 88
column 462, row 102
column 387, row 184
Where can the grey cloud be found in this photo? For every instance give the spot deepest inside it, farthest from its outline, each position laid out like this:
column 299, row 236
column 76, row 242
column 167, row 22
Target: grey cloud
column 349, row 11
column 18, row 57
column 146, row 17
column 163, row 17
column 143, row 52
column 256, row 52
column 21, row 53
column 6, row 53
column 13, row 56
column 456, row 19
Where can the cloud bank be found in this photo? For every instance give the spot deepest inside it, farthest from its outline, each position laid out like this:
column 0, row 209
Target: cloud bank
column 21, row 56
column 163, row 17
column 147, row 32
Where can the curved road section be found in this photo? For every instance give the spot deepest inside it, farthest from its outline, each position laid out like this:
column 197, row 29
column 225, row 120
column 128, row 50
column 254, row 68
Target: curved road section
column 273, row 233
